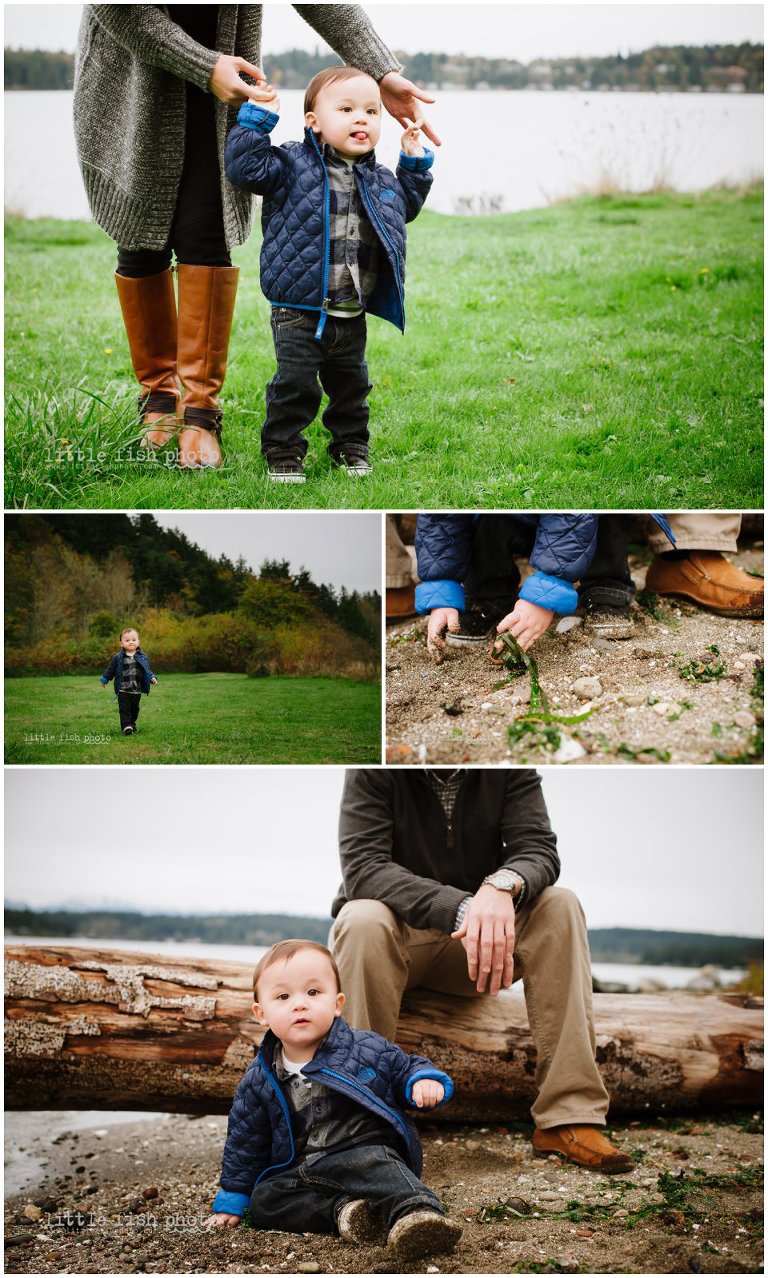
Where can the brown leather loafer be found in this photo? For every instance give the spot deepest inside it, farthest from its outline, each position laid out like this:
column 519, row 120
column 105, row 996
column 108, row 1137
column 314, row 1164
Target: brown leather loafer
column 586, row 1146
column 708, row 579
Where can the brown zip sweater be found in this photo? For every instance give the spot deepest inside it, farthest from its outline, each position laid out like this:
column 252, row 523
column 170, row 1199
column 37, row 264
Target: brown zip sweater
column 397, row 846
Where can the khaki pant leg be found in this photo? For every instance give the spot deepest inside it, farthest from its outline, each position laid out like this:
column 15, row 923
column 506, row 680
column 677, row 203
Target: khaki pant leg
column 368, row 943
column 401, row 558
column 553, row 952
column 379, row 957
column 696, row 530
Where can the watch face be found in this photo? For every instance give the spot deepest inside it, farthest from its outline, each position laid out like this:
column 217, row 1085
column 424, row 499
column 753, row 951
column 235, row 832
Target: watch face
column 502, row 880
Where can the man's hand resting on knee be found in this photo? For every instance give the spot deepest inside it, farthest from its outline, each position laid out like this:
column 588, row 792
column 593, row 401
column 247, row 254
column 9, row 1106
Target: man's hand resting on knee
column 487, row 933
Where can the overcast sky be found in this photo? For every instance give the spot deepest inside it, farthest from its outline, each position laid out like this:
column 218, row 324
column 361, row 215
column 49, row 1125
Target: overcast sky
column 504, row 30
column 337, row 549
column 659, row 848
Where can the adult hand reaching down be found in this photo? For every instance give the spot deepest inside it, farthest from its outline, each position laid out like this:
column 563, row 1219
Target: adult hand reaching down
column 487, row 933
column 401, row 98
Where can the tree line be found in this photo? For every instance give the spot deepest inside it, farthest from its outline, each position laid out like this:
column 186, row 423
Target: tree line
column 608, row 945
column 664, row 67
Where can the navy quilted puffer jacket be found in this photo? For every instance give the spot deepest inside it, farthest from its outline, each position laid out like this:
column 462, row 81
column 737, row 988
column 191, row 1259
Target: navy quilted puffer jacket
column 358, row 1063
column 295, row 220
column 562, row 552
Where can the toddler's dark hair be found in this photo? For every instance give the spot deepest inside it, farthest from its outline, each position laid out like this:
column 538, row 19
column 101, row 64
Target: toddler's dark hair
column 329, row 76
column 285, row 950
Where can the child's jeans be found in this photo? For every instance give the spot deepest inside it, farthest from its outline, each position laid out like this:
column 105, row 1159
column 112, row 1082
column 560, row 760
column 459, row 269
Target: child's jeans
column 294, row 395
column 128, row 703
column 308, row 1197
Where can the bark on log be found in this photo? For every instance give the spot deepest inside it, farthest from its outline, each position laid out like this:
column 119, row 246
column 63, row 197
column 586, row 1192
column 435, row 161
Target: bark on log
column 107, row 1029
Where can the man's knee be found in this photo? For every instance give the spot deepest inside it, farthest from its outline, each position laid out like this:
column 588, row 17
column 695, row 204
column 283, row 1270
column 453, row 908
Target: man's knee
column 560, row 905
column 364, row 920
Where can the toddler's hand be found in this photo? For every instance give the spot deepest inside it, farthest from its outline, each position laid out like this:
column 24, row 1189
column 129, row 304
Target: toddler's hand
column 439, row 618
column 427, row 1093
column 153, row 679
column 410, row 142
column 527, row 622
column 220, row 1219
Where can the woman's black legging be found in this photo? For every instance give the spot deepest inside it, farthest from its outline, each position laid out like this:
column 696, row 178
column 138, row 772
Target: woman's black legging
column 197, row 232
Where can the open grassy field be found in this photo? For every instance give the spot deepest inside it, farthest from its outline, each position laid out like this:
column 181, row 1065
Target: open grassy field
column 604, row 353
column 203, row 718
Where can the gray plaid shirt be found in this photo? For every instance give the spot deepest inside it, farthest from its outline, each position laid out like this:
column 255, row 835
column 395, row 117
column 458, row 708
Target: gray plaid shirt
column 130, row 681
column 322, row 1119
column 354, row 261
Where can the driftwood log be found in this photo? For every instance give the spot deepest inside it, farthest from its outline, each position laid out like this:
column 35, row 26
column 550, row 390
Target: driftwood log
column 107, row 1029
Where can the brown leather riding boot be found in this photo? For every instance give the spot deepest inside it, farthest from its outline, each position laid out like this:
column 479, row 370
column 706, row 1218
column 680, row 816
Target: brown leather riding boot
column 582, row 1144
column 206, row 306
column 149, row 315
column 708, row 579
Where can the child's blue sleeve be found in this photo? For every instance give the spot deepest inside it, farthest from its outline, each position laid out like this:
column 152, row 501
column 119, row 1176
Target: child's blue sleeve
column 414, row 179
column 252, row 116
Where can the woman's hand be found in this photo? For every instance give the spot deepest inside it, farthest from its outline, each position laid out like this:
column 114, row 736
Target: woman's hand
column 226, row 85
column 401, row 97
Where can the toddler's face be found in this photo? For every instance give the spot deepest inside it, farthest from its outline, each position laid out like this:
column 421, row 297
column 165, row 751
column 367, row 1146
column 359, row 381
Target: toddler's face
column 299, row 1001
column 347, row 114
column 130, row 641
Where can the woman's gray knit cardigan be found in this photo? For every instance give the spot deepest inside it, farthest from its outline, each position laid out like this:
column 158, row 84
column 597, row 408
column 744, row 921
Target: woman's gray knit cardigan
column 130, row 105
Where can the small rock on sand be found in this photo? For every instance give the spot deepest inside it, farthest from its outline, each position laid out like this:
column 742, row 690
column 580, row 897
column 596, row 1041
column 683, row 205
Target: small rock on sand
column 587, row 688
column 744, row 719
column 568, row 623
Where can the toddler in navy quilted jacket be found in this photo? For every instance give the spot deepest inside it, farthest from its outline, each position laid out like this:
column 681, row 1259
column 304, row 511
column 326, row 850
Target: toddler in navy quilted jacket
column 319, row 1138
column 333, row 251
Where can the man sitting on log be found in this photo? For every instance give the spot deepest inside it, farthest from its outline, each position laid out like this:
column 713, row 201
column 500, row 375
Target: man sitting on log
column 447, row 886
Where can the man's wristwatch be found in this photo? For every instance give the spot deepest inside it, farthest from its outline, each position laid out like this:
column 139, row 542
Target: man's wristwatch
column 505, row 881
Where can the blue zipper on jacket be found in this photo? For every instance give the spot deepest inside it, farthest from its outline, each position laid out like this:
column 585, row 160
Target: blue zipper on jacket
column 370, row 1097
column 327, row 245
column 286, row 1113
column 400, row 293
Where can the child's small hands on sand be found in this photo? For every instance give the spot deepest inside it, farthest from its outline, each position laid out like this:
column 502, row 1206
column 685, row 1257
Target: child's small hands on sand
column 220, row 1220
column 439, row 620
column 527, row 622
column 427, row 1093
column 410, row 142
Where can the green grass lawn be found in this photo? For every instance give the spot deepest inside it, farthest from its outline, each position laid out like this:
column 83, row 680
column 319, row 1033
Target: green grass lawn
column 603, row 353
column 203, row 718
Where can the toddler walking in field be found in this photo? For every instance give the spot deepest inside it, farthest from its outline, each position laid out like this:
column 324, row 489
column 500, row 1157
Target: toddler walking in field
column 132, row 674
column 319, row 1139
column 334, row 250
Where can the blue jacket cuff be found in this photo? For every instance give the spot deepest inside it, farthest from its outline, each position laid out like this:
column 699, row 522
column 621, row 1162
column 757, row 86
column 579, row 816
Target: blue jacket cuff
column 103, row 680
column 234, row 1204
column 417, row 163
column 438, row 1076
column 439, row 594
column 550, row 592
column 251, row 116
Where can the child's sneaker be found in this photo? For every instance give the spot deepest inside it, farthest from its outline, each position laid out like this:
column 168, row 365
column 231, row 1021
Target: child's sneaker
column 357, row 1223
column 128, row 731
column 609, row 621
column 353, row 458
column 423, row 1233
column 285, row 467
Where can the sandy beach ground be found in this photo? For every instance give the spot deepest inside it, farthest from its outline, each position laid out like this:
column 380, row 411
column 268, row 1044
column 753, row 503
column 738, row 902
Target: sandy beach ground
column 91, row 1195
column 643, row 708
